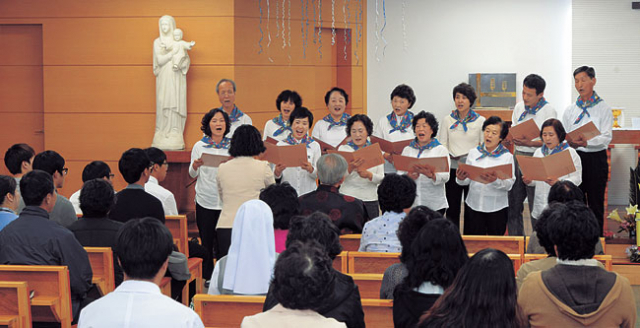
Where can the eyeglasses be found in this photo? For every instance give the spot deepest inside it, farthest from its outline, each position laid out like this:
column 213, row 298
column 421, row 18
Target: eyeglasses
column 65, row 171
column 111, row 175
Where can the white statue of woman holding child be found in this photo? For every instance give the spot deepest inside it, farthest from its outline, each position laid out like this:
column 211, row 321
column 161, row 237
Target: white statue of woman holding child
column 170, row 66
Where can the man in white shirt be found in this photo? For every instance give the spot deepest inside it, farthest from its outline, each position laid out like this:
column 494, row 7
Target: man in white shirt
column 533, row 107
column 158, row 174
column 226, row 90
column 93, row 170
column 589, row 107
column 143, row 248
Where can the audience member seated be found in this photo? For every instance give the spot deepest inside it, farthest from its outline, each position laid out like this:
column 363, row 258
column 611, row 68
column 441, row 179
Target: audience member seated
column 247, row 269
column 576, row 292
column 95, row 229
column 396, row 194
column 10, row 200
column 436, row 256
column 346, row 212
column 561, row 192
column 52, row 163
column 343, row 303
column 93, row 170
column 407, row 232
column 283, row 200
column 33, row 239
column 133, row 202
column 482, row 295
column 302, row 280
column 158, row 173
column 19, row 159
column 143, row 248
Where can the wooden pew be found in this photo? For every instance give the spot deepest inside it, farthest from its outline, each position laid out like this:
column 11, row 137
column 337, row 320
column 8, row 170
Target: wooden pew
column 52, row 298
column 15, row 304
column 226, row 310
column 378, row 313
column 165, row 286
column 370, row 262
column 101, row 259
column 507, row 244
column 368, row 284
column 606, row 260
column 340, row 262
column 177, row 224
column 603, row 241
column 350, row 242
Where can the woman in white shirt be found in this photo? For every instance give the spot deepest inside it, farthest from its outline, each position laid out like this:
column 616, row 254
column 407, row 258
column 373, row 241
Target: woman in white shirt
column 302, row 178
column 552, row 135
column 460, row 131
column 279, row 128
column 215, row 125
column 397, row 125
column 362, row 184
column 486, row 207
column 331, row 128
column 430, row 190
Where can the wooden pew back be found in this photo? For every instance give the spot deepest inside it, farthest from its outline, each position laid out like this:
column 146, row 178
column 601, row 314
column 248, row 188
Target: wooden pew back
column 226, row 310
column 15, row 304
column 378, row 313
column 370, row 262
column 350, row 242
column 340, row 262
column 368, row 284
column 101, row 259
column 507, row 244
column 177, row 224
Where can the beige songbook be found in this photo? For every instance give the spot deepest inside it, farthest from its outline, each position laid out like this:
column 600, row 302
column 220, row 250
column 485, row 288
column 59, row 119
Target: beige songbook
column 391, row 147
column 213, row 160
column 408, row 164
column 289, row 156
column 527, row 129
column 588, row 130
column 325, row 147
column 542, row 168
column 372, row 156
column 503, row 171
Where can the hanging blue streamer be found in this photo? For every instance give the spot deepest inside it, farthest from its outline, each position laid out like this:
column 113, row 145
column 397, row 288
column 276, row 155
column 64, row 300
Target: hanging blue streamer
column 384, row 14
column 261, row 32
column 315, row 20
column 320, row 28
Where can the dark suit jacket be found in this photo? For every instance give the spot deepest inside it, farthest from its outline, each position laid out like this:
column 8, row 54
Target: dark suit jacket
column 134, row 203
column 348, row 213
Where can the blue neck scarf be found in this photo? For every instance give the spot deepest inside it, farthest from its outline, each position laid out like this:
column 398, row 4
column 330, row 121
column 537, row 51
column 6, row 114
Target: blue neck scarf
column 546, row 151
column 471, row 117
column 235, row 114
column 532, row 110
column 495, row 153
column 404, row 124
column 416, row 145
column 355, row 147
column 585, row 105
column 342, row 122
column 283, row 125
column 305, row 140
column 224, row 143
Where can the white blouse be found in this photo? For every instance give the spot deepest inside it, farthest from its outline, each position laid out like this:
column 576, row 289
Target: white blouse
column 490, row 197
column 242, row 120
column 381, row 130
column 207, row 185
column 456, row 140
column 333, row 137
column 300, row 179
column 270, row 128
column 356, row 186
column 430, row 193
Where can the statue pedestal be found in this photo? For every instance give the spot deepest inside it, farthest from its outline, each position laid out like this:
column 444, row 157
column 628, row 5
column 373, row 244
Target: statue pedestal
column 176, row 181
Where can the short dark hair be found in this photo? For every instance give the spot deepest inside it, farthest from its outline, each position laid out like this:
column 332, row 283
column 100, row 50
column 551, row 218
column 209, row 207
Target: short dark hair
column 35, row 186
column 436, row 255
column 573, row 229
column 565, row 191
column 557, row 126
column 95, row 170
column 466, row 90
column 284, row 203
column 96, row 198
column 327, row 95
column 317, row 226
column 301, row 112
column 143, row 245
column 16, row 155
column 410, row 227
column 246, row 141
column 429, row 118
column 543, row 234
column 366, row 121
column 492, row 120
column 7, row 186
column 156, row 155
column 288, row 95
column 396, row 192
column 206, row 119
column 303, row 276
column 535, row 81
column 132, row 164
column 406, row 92
column 49, row 161
column 591, row 72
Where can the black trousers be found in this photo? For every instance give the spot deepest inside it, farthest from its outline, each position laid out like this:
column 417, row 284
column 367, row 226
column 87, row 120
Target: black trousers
column 207, row 220
column 454, row 194
column 224, row 241
column 595, row 171
column 481, row 223
column 372, row 208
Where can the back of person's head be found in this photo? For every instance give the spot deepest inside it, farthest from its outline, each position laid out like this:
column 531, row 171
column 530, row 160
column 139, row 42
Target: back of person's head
column 156, row 156
column 96, row 170
column 35, row 186
column 436, row 255
column 573, row 229
column 318, row 227
column 534, row 81
column 246, row 141
column 49, row 161
column 543, row 234
column 396, row 193
column 301, row 113
column 565, row 191
column 96, row 198
column 303, row 276
column 482, row 295
column 143, row 246
column 132, row 164
column 331, row 168
column 16, row 155
column 282, row 198
column 410, row 227
column 7, row 186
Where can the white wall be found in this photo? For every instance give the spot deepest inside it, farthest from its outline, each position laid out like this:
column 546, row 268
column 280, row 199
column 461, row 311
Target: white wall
column 447, row 40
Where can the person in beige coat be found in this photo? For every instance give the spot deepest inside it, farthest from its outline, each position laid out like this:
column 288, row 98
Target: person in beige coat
column 240, row 179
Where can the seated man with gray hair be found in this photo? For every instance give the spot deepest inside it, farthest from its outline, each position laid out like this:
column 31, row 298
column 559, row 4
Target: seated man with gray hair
column 346, row 212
